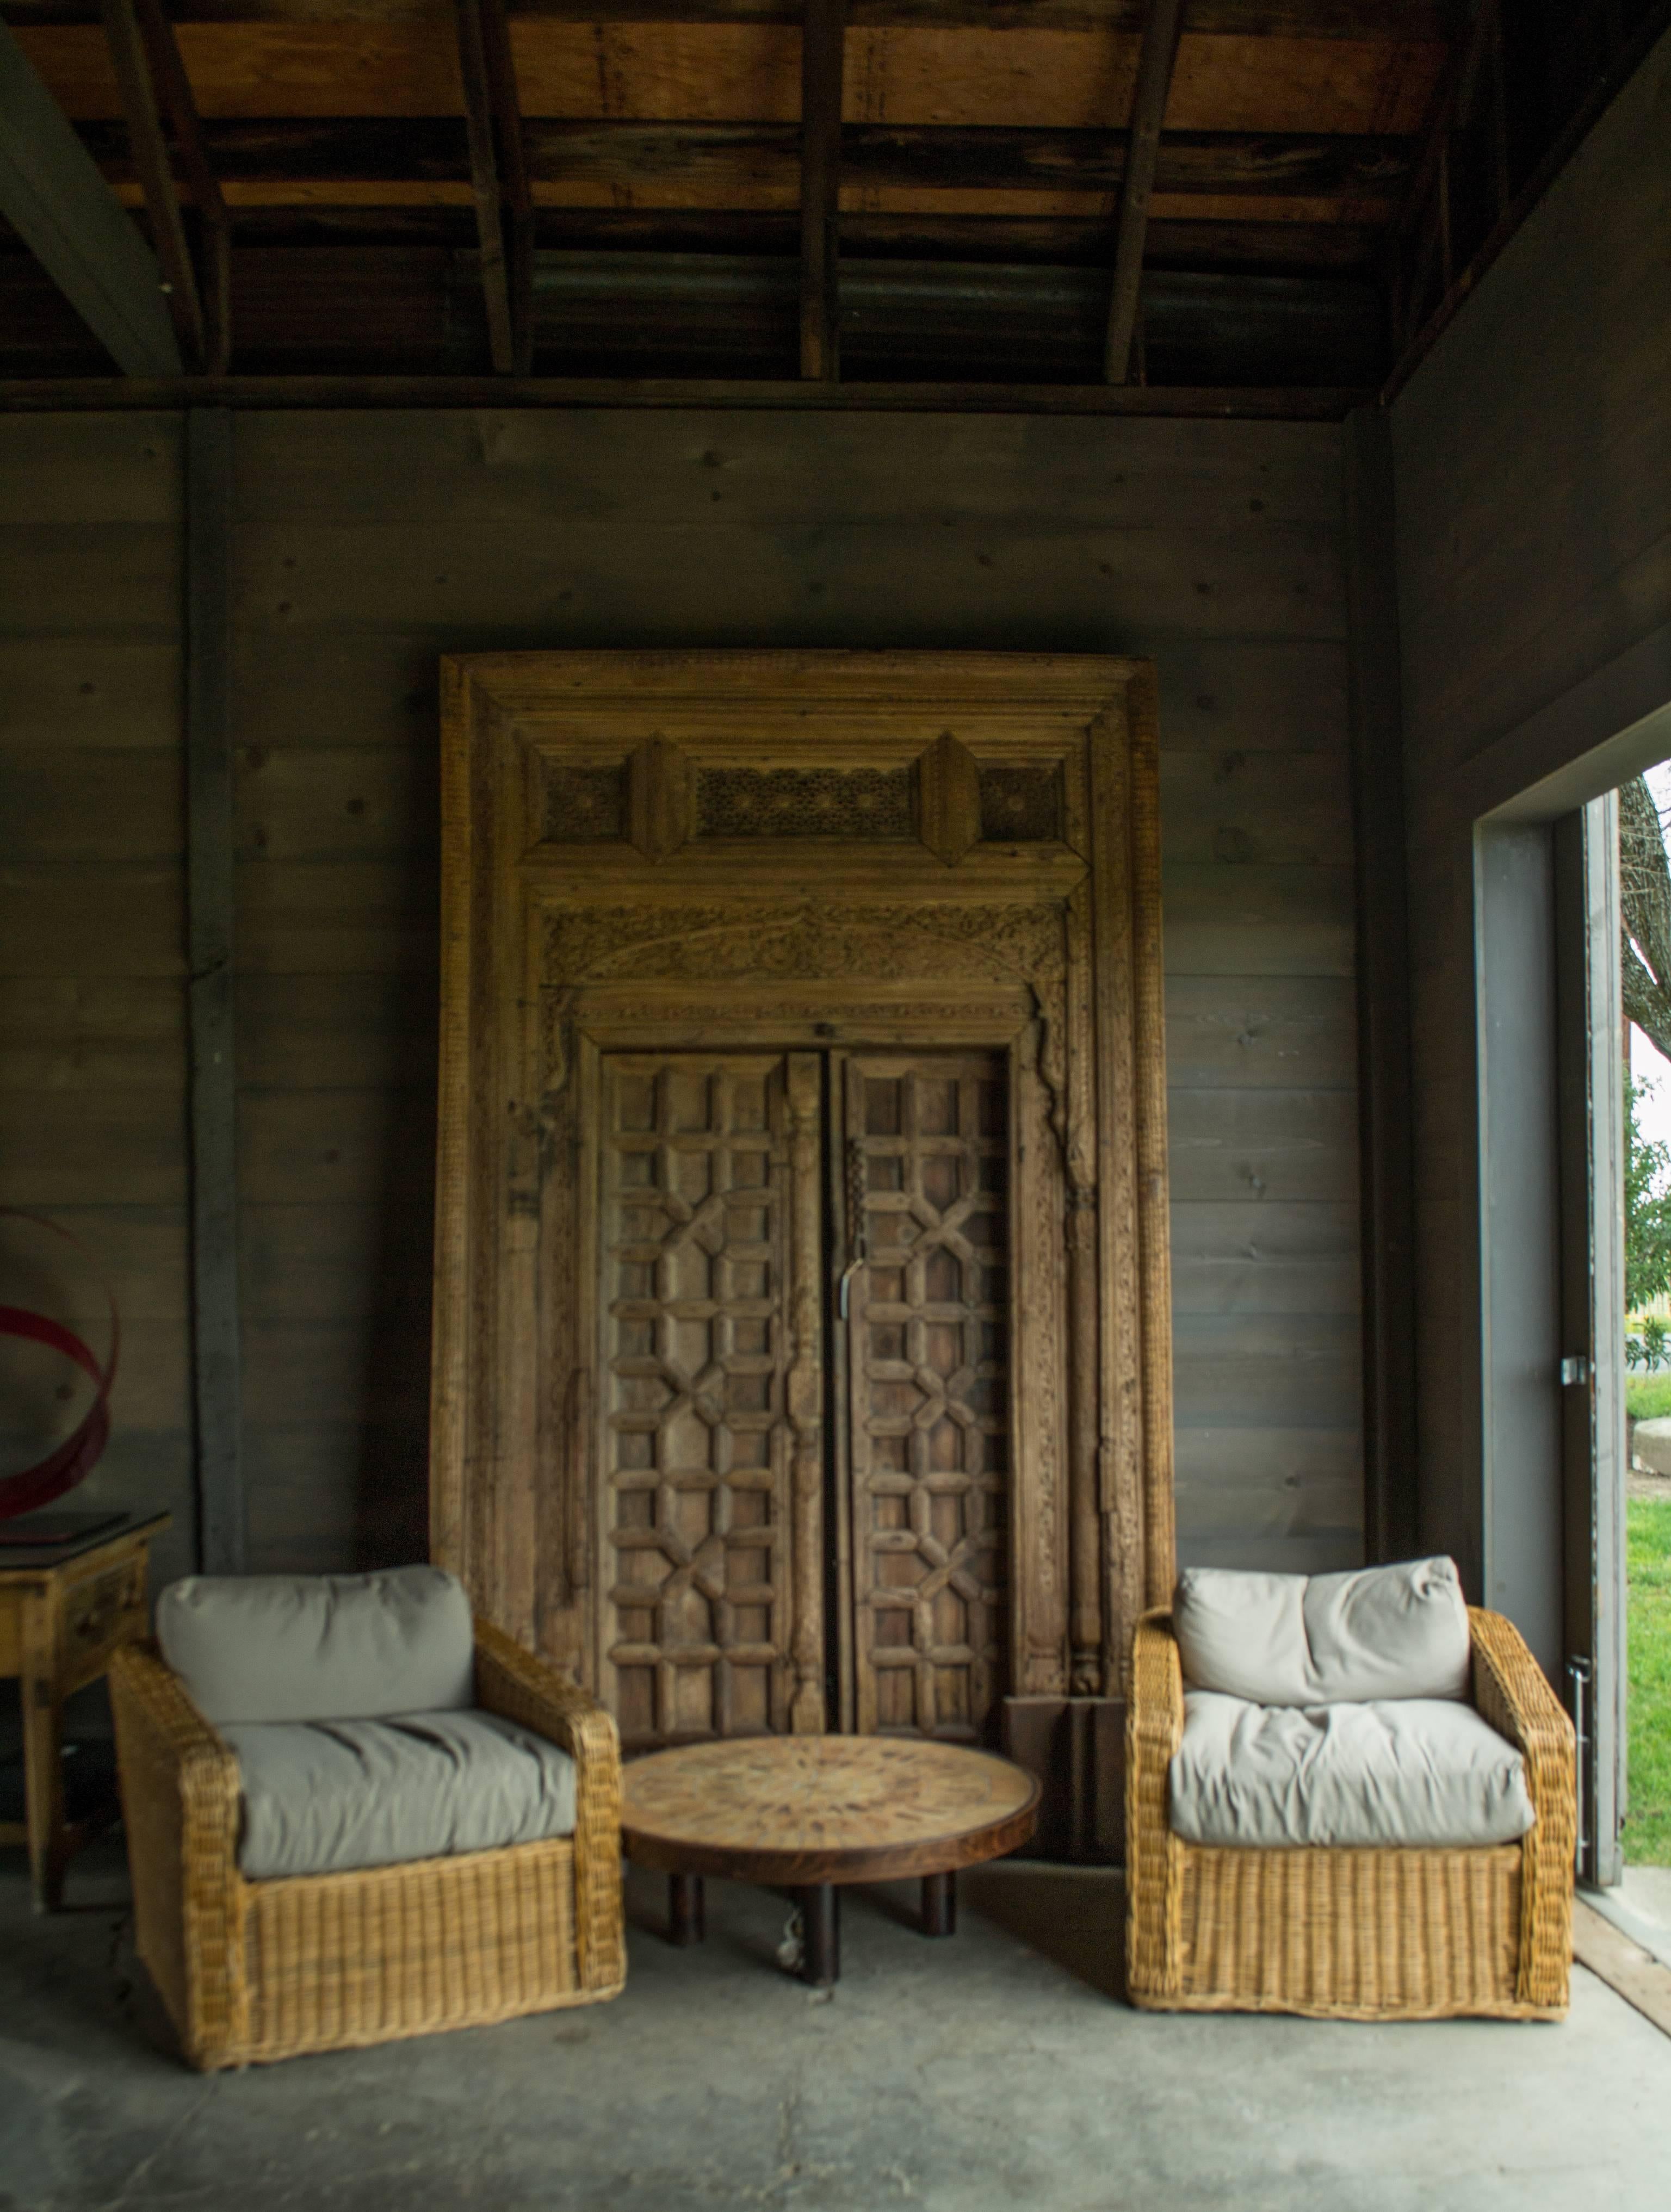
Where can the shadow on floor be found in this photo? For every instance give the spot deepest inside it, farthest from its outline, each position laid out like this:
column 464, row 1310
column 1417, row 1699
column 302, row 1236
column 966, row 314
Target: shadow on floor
column 1073, row 1916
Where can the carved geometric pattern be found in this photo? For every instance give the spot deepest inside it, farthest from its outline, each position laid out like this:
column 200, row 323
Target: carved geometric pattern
column 696, row 1441
column 928, row 1355
column 872, row 803
column 1020, row 805
column 585, row 805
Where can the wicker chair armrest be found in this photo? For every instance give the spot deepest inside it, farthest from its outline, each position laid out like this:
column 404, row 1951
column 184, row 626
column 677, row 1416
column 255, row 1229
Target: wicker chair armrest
column 1510, row 1691
column 181, row 1801
column 1154, row 1855
column 513, row 1683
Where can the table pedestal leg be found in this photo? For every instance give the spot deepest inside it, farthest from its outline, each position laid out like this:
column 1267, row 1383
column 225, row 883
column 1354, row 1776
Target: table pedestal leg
column 821, row 1936
column 687, row 1909
column 939, row 1904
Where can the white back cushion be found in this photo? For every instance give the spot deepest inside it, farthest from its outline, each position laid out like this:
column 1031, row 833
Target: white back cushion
column 1395, row 1632
column 320, row 1647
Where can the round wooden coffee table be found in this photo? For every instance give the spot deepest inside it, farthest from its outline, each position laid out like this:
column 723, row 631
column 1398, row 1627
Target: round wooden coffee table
column 811, row 1812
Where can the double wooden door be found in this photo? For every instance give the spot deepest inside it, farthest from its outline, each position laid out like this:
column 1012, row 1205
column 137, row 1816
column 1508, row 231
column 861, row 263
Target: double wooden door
column 803, row 1426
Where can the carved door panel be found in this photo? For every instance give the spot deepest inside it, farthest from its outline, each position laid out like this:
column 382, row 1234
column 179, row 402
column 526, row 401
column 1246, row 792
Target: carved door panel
column 927, row 1355
column 709, row 1428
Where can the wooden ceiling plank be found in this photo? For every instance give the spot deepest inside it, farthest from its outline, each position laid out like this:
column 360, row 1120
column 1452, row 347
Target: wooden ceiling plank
column 517, row 192
column 824, row 38
column 174, row 91
column 1154, row 83
column 748, row 72
column 54, row 198
column 1410, row 20
column 149, row 151
column 484, row 186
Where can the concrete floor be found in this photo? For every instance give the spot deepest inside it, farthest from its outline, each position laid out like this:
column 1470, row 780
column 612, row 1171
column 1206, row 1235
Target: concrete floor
column 996, row 2070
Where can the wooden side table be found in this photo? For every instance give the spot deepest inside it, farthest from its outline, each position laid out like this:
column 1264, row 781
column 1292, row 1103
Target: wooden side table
column 63, row 1609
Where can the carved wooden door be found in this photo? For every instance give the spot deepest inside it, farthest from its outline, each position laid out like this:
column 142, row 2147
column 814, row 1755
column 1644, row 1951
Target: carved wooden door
column 927, row 1357
column 710, row 1413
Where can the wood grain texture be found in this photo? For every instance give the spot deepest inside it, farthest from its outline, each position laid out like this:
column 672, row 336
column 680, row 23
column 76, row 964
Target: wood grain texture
column 602, row 939
column 681, row 72
column 837, row 529
column 824, row 1809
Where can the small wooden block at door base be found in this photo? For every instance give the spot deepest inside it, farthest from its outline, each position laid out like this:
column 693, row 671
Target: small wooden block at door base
column 812, row 1812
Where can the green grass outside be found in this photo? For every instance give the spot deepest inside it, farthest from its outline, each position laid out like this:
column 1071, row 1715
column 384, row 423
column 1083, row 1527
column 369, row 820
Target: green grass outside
column 1646, row 1837
column 1646, row 1397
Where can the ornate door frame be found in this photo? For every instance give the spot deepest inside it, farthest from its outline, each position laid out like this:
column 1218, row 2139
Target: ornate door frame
column 720, row 850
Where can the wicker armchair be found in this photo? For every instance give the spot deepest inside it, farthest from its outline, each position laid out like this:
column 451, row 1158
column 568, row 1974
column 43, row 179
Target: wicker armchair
column 258, row 1970
column 1362, row 1934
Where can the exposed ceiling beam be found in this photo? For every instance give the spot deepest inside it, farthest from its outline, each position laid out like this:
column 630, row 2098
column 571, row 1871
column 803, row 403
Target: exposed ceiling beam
column 1424, row 20
column 514, row 180
column 54, row 198
column 1154, row 83
column 174, row 91
column 823, row 40
column 716, row 156
column 130, row 58
column 484, row 186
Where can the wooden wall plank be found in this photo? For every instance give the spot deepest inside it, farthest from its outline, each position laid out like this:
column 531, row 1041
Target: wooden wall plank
column 88, row 692
column 1251, row 1146
column 1286, row 1370
column 1261, row 1032
column 329, row 1260
column 74, row 1148
column 355, row 1148
column 509, row 469
column 79, row 804
column 1246, row 919
column 1271, row 809
column 317, row 802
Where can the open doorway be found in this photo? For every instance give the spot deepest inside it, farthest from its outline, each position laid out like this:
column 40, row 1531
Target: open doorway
column 1645, row 813
column 1573, row 912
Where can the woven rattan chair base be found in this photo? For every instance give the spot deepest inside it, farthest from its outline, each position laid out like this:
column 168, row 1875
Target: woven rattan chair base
column 1389, row 1934
column 1350, row 1935
column 255, row 1970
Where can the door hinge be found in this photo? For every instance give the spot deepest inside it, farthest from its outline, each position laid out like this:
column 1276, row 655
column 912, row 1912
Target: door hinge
column 1574, row 1372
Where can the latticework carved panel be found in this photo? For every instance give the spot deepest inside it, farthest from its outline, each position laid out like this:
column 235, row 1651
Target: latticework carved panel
column 584, row 805
column 696, row 1441
column 804, row 802
column 928, row 1165
column 1020, row 805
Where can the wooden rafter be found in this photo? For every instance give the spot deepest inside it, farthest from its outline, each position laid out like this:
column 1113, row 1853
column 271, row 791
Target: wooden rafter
column 56, row 200
column 148, row 143
column 516, row 191
column 823, row 37
column 173, row 91
column 1161, row 34
column 484, row 183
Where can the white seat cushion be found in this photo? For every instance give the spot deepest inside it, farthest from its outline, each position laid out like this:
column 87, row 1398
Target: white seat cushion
column 320, row 1647
column 1394, row 1631
column 326, row 1797
column 1413, row 1770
